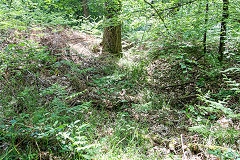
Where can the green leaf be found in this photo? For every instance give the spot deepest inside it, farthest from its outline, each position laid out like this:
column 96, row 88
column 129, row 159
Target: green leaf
column 3, row 126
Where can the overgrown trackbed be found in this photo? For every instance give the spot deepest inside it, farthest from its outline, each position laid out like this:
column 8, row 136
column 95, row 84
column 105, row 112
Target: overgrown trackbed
column 81, row 59
column 84, row 51
column 83, row 68
column 91, row 71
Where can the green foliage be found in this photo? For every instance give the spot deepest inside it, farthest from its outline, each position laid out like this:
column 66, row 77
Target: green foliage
column 186, row 64
column 207, row 117
column 40, row 116
column 230, row 154
column 73, row 139
column 48, row 123
column 216, row 107
column 20, row 57
column 138, row 72
column 72, row 9
column 32, row 114
column 233, row 84
column 20, row 64
column 181, row 23
column 24, row 15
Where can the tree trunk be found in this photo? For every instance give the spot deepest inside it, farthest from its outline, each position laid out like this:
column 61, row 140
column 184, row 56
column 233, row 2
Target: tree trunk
column 205, row 32
column 10, row 3
column 85, row 8
column 112, row 31
column 223, row 32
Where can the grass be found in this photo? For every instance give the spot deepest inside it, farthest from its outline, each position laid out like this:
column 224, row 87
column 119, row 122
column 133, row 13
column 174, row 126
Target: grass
column 145, row 105
column 41, row 120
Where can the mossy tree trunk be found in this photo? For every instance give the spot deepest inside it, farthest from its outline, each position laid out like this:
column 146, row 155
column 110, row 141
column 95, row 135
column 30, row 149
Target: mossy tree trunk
column 112, row 31
column 206, row 29
column 223, row 32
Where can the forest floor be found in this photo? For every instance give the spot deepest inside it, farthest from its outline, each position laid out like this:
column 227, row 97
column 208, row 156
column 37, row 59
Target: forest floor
column 124, row 95
column 166, row 128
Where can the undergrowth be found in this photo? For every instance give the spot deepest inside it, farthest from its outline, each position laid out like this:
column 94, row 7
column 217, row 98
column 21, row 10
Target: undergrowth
column 158, row 101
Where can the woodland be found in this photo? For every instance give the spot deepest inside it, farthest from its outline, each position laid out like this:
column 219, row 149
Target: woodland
column 119, row 79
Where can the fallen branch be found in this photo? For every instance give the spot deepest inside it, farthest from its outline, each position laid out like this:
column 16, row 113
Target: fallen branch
column 175, row 85
column 195, row 146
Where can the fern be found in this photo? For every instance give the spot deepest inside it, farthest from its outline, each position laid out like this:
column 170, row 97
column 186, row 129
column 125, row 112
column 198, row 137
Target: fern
column 215, row 106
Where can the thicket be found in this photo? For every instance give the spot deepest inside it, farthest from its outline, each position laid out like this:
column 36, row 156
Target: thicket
column 169, row 95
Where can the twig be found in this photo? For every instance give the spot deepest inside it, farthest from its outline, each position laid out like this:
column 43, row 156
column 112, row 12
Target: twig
column 38, row 150
column 159, row 15
column 171, row 8
column 178, row 5
column 13, row 148
column 188, row 96
column 38, row 79
column 210, row 147
column 182, row 146
column 176, row 85
column 120, row 141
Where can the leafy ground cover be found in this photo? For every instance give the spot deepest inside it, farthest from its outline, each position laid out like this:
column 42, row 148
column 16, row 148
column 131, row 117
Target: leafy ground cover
column 61, row 97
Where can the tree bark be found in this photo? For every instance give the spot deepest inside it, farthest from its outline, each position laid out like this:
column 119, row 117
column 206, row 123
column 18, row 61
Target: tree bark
column 223, row 32
column 112, row 32
column 10, row 3
column 85, row 8
column 205, row 32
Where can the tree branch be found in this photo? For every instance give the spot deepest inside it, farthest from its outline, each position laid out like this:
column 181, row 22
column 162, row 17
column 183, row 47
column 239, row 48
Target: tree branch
column 159, row 15
column 178, row 5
